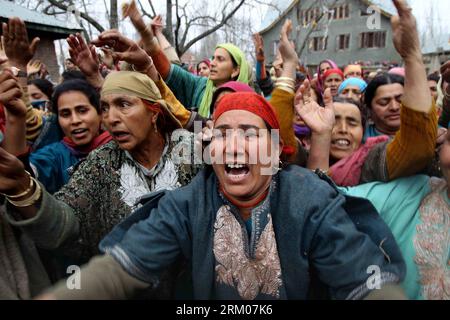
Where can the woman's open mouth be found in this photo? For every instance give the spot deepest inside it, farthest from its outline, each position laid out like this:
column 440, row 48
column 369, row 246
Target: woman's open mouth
column 79, row 133
column 237, row 172
column 120, row 136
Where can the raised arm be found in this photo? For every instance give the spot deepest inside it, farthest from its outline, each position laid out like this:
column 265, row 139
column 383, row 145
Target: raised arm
column 321, row 121
column 406, row 41
column 284, row 92
column 16, row 112
column 86, row 59
column 166, row 46
column 414, row 145
column 20, row 51
column 148, row 39
column 129, row 51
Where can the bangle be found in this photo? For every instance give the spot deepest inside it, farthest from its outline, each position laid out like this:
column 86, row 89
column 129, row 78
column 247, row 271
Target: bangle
column 285, row 85
column 286, row 79
column 31, row 200
column 23, row 194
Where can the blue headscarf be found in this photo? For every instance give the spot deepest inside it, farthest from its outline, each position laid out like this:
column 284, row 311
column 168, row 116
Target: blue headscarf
column 353, row 82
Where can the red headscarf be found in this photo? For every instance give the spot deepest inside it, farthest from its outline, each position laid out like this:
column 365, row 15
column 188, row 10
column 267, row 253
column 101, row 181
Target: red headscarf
column 205, row 61
column 330, row 72
column 248, row 101
column 254, row 103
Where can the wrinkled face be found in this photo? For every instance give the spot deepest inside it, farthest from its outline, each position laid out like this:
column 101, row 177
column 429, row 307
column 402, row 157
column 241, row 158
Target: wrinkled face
column 444, row 157
column 243, row 152
column 352, row 92
column 333, row 81
column 222, row 69
column 128, row 120
column 348, row 131
column 78, row 118
column 36, row 94
column 203, row 70
column 324, row 67
column 385, row 108
column 433, row 88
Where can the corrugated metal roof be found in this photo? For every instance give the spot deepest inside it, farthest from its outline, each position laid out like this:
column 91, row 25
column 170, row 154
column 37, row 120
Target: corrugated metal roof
column 10, row 9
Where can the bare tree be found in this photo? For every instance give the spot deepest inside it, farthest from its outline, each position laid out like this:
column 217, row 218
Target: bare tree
column 113, row 16
column 64, row 5
column 325, row 7
column 188, row 22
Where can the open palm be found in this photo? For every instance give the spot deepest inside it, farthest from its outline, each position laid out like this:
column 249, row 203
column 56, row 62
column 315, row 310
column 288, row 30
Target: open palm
column 319, row 119
column 83, row 56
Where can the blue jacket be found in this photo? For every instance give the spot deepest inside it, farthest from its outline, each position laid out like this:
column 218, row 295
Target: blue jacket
column 54, row 164
column 314, row 233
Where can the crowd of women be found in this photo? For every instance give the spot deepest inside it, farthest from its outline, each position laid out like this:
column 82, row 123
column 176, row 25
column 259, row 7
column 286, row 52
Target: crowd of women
column 231, row 183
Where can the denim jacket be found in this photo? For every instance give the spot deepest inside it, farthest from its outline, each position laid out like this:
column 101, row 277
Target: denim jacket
column 315, row 234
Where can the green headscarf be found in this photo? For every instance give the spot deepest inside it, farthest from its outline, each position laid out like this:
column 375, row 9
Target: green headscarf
column 244, row 77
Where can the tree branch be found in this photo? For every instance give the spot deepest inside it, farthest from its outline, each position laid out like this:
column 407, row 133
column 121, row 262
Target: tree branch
column 212, row 30
column 144, row 12
column 84, row 15
column 314, row 27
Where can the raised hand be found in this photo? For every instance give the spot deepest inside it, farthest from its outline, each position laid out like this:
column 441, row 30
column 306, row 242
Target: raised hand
column 404, row 28
column 108, row 59
column 83, row 56
column 9, row 88
column 3, row 57
column 259, row 47
column 125, row 50
column 130, row 10
column 33, row 67
column 287, row 51
column 13, row 178
column 157, row 24
column 320, row 120
column 17, row 46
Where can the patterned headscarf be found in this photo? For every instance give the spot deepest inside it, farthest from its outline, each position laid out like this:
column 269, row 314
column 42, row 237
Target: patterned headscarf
column 136, row 84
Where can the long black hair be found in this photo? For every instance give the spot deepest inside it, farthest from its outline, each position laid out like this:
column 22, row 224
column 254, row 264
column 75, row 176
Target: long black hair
column 80, row 86
column 380, row 80
column 44, row 85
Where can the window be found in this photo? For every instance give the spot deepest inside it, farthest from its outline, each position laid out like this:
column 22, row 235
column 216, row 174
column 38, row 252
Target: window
column 373, row 39
column 309, row 16
column 318, row 44
column 339, row 13
column 343, row 42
